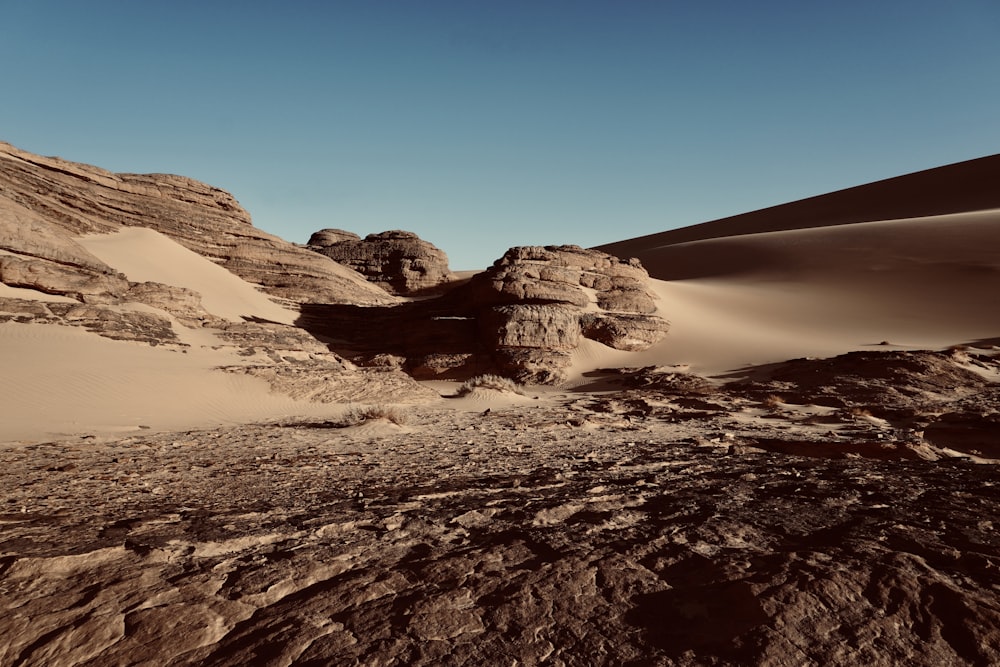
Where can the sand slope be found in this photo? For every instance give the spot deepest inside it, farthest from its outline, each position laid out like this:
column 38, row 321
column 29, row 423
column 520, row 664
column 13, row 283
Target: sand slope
column 147, row 255
column 61, row 380
column 757, row 298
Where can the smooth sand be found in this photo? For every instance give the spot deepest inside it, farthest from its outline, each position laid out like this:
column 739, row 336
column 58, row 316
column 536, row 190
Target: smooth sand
column 147, row 255
column 919, row 283
column 61, row 380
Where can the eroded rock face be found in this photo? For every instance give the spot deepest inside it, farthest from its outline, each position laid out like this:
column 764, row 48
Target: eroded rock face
column 47, row 199
column 399, row 262
column 522, row 318
column 552, row 297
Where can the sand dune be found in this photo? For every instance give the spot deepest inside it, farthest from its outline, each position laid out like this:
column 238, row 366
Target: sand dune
column 955, row 188
column 147, row 255
column 749, row 299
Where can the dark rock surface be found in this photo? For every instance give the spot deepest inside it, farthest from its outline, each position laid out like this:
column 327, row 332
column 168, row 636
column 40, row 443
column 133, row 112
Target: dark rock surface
column 400, row 262
column 622, row 529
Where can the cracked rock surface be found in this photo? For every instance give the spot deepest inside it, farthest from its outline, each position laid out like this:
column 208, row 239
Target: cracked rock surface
column 655, row 526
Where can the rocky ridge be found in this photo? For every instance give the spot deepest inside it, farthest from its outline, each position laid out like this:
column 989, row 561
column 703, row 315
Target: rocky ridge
column 71, row 199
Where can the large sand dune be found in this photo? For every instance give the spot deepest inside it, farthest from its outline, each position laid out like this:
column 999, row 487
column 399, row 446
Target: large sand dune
column 748, row 299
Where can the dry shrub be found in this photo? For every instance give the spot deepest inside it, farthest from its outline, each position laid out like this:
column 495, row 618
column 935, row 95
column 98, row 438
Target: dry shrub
column 773, row 402
column 494, row 382
column 359, row 414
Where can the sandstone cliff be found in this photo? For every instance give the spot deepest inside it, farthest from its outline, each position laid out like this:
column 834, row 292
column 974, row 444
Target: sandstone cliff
column 70, row 199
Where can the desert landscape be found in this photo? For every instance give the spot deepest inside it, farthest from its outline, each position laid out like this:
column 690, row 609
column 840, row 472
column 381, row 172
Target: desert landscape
column 769, row 439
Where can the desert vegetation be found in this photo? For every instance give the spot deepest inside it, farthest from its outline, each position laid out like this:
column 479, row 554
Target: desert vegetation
column 490, row 382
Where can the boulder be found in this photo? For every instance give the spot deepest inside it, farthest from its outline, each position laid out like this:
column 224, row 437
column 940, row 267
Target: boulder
column 547, row 327
column 399, row 262
column 325, row 238
column 182, row 303
column 553, row 296
column 633, row 333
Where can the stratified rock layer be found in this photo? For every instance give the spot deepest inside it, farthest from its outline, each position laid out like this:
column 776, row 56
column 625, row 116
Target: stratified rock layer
column 522, row 318
column 397, row 261
column 48, row 199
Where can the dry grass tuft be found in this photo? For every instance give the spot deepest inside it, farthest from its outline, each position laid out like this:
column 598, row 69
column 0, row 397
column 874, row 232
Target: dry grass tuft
column 773, row 402
column 359, row 414
column 494, row 382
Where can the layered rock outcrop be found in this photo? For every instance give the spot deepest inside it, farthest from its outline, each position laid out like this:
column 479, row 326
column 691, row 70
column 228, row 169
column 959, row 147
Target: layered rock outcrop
column 522, row 318
column 47, row 277
column 53, row 194
column 537, row 303
column 399, row 262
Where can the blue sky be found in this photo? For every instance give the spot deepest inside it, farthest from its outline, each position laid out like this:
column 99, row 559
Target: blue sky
column 482, row 125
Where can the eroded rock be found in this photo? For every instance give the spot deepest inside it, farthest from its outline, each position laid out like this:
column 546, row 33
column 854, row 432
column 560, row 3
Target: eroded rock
column 400, row 262
column 523, row 318
column 72, row 199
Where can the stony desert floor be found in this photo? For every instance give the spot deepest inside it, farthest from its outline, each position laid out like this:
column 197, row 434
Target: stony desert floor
column 647, row 519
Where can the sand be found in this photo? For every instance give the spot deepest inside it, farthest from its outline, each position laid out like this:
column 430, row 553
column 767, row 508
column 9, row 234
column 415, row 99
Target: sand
column 147, row 255
column 739, row 301
column 61, row 380
column 747, row 299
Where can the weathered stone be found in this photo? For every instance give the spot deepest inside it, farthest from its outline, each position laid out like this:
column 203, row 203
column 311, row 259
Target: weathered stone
column 529, row 308
column 532, row 365
column 116, row 324
column 182, row 303
column 32, row 309
column 552, row 326
column 400, row 262
column 328, row 237
column 52, row 278
column 75, row 199
column 24, row 232
column 626, row 301
column 633, row 333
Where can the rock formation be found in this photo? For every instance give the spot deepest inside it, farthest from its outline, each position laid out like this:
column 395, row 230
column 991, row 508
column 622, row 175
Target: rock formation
column 45, row 193
column 47, row 203
column 522, row 318
column 400, row 262
column 536, row 303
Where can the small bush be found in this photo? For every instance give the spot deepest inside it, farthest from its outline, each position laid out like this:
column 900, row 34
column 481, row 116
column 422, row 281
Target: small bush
column 494, row 382
column 773, row 402
column 359, row 414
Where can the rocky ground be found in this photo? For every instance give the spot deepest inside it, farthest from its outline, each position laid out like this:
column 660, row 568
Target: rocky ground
column 649, row 519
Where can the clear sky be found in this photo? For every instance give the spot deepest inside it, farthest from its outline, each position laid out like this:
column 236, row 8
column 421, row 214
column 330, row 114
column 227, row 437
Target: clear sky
column 486, row 124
